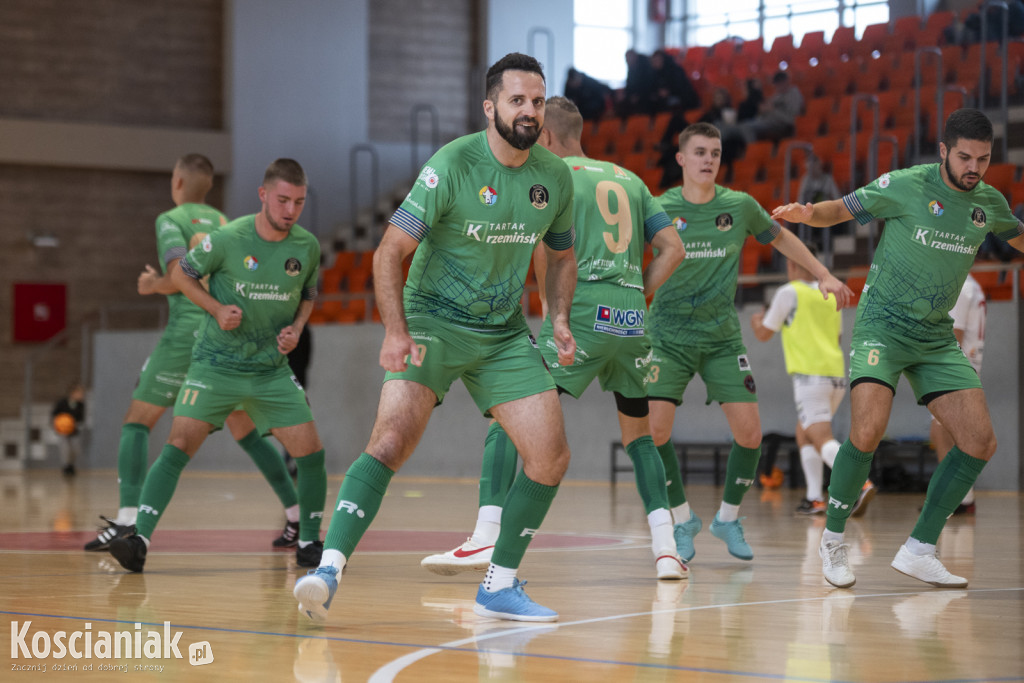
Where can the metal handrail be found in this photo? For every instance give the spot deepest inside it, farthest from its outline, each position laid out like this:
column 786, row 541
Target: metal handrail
column 531, row 43
column 982, row 89
column 435, row 132
column 353, row 161
column 918, row 55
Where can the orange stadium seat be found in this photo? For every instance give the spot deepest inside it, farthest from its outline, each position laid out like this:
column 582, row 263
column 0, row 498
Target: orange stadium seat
column 934, row 28
column 844, row 42
column 875, row 37
column 998, row 286
column 812, row 45
column 1002, row 177
column 782, row 51
column 905, row 31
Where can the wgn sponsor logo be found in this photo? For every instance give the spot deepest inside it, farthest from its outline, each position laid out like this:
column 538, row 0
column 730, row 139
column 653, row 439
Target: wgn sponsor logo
column 27, row 647
column 622, row 322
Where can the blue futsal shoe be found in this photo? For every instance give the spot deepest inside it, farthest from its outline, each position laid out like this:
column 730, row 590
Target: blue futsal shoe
column 511, row 603
column 732, row 534
column 315, row 591
column 684, row 534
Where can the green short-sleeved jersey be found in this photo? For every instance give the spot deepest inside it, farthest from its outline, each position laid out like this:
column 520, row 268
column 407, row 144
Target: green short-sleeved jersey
column 478, row 223
column 615, row 214
column 267, row 280
column 177, row 231
column 932, row 234
column 697, row 303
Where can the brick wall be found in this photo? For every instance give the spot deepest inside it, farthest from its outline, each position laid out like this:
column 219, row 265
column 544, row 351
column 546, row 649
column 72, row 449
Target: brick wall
column 113, row 61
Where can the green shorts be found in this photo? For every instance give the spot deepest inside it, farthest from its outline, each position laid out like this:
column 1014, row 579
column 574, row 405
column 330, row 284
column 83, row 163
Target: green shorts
column 164, row 371
column 608, row 325
column 272, row 399
column 930, row 367
column 725, row 370
column 497, row 366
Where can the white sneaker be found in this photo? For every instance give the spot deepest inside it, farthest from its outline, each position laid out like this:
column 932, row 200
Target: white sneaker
column 467, row 557
column 671, row 568
column 835, row 564
column 926, row 568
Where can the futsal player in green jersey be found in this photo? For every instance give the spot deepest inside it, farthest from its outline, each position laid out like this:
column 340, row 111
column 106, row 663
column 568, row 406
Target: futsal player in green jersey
column 936, row 217
column 164, row 370
column 615, row 215
column 262, row 277
column 811, row 328
column 695, row 328
column 473, row 218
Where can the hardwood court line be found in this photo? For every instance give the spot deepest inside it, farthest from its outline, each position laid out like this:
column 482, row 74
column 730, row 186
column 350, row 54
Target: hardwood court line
column 387, row 673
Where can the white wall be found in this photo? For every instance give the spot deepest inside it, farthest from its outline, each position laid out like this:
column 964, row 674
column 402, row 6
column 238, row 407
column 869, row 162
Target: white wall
column 509, row 30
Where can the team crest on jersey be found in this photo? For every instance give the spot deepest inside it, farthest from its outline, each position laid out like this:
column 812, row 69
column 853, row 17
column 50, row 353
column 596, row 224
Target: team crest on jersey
column 207, row 244
column 935, row 207
column 539, row 196
column 251, row 263
column 293, row 267
column 723, row 222
column 883, row 181
column 680, row 223
column 978, row 217
column 429, row 177
column 488, row 195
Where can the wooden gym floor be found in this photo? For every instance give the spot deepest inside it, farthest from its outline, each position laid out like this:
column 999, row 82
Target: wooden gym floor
column 212, row 574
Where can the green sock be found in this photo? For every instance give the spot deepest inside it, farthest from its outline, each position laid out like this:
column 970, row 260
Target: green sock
column 950, row 482
column 649, row 473
column 132, row 456
column 849, row 472
column 311, row 493
column 499, row 466
column 359, row 500
column 522, row 513
column 673, row 475
column 740, row 472
column 271, row 464
column 158, row 488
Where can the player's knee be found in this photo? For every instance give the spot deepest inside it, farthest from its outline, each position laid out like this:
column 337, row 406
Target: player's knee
column 981, row 446
column 632, row 407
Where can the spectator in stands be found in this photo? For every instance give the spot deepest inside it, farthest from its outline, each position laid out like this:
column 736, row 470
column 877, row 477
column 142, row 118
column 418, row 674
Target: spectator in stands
column 636, row 96
column 590, row 95
column 1015, row 26
column 816, row 185
column 672, row 87
column 777, row 115
column 753, row 97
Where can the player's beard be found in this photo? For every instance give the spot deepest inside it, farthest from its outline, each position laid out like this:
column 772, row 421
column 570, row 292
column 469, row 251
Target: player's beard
column 959, row 183
column 510, row 134
column 274, row 225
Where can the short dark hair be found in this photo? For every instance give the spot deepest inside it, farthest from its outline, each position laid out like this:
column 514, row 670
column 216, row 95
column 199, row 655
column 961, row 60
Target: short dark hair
column 969, row 124
column 699, row 128
column 513, row 61
column 196, row 163
column 287, row 170
column 563, row 119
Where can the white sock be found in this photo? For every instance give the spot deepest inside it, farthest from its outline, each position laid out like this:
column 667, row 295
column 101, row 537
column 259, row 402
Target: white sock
column 814, row 471
column 916, row 547
column 333, row 558
column 498, row 578
column 828, row 452
column 146, row 541
column 681, row 513
column 828, row 536
column 292, row 513
column 126, row 516
column 969, row 498
column 663, row 542
column 728, row 513
column 488, row 525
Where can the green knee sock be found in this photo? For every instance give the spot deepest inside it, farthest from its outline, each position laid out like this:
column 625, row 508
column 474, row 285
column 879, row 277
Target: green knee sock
column 523, row 511
column 271, row 464
column 673, row 475
column 849, row 472
column 359, row 500
column 311, row 493
column 950, row 482
column 499, row 466
column 132, row 455
column 740, row 472
column 158, row 488
column 649, row 473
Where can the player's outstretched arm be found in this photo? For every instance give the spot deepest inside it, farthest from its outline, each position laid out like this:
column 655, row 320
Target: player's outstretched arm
column 228, row 316
column 668, row 254
column 790, row 246
column 152, row 281
column 820, row 215
column 388, row 279
column 560, row 285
